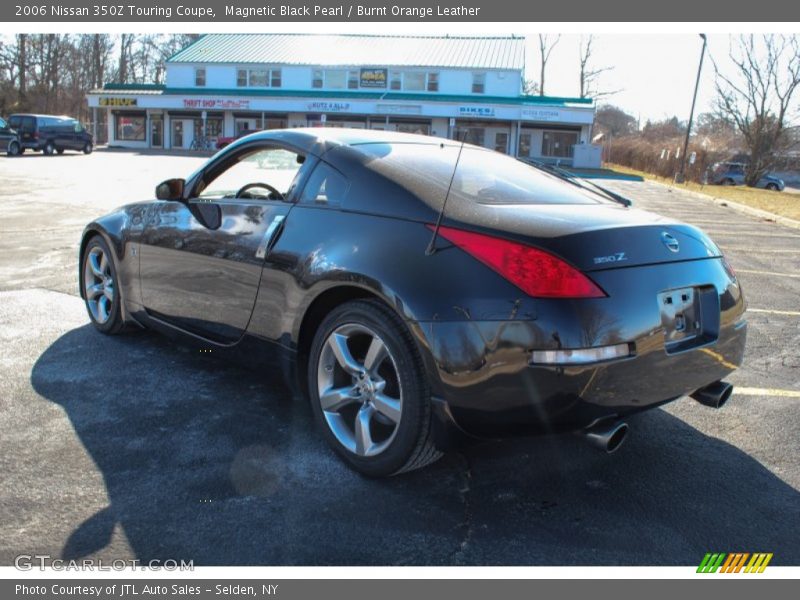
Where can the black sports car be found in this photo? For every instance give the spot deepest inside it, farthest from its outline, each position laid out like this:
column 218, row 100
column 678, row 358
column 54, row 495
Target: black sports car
column 417, row 290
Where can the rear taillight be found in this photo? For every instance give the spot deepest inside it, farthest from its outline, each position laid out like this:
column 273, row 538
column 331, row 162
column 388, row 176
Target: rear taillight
column 535, row 272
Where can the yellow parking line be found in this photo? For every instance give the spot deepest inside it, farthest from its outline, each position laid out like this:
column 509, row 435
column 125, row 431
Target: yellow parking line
column 746, row 391
column 719, row 358
column 770, row 273
column 789, row 313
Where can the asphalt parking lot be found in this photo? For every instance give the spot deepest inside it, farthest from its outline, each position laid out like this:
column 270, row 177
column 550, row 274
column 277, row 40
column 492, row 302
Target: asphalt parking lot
column 134, row 447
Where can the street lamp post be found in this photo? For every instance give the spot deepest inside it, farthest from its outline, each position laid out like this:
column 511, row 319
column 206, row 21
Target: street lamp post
column 681, row 176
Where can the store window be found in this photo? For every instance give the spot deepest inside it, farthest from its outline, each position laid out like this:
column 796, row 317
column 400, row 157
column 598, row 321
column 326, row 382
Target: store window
column 317, row 79
column 559, row 144
column 213, row 127
column 335, row 79
column 200, row 77
column 433, row 82
column 395, row 80
column 470, row 135
column 413, row 81
column 501, row 142
column 524, row 144
column 258, row 78
column 418, row 128
column 478, row 83
column 353, row 80
column 131, row 127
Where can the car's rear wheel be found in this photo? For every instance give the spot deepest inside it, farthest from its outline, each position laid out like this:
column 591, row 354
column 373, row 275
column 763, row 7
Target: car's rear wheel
column 49, row 148
column 60, row 150
column 772, row 187
column 14, row 149
column 368, row 390
column 728, row 181
column 100, row 287
column 87, row 148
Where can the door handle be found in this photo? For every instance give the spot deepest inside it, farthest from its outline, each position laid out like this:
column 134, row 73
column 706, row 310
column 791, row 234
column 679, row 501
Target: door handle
column 269, row 234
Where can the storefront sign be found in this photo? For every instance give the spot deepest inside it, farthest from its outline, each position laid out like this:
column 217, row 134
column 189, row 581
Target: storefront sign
column 540, row 114
column 475, row 111
column 216, row 103
column 324, row 107
column 104, row 101
column 399, row 109
column 374, row 78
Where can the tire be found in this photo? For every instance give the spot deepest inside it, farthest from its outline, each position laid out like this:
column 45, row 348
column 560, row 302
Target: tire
column 87, row 148
column 391, row 396
column 60, row 150
column 728, row 182
column 100, row 287
column 49, row 148
column 14, row 149
column 772, row 187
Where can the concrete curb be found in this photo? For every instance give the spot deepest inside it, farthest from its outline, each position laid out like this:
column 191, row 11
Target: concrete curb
column 742, row 208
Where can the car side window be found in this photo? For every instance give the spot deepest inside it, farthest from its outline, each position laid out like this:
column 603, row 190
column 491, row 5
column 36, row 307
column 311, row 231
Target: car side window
column 256, row 174
column 325, row 187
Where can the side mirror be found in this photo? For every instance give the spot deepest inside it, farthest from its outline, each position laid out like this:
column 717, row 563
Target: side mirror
column 171, row 189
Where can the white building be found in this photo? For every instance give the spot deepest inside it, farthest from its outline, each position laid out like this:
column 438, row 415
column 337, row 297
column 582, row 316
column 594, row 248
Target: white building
column 455, row 87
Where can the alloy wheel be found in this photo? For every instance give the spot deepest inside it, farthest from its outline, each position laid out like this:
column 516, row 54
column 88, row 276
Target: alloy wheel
column 98, row 283
column 359, row 389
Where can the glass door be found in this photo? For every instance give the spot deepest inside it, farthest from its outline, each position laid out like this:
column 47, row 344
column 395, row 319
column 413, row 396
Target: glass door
column 156, row 131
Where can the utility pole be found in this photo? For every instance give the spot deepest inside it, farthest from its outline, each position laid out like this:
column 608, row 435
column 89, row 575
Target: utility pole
column 681, row 176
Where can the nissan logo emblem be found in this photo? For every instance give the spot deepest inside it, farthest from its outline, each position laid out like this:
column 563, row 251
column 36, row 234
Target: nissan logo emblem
column 670, row 241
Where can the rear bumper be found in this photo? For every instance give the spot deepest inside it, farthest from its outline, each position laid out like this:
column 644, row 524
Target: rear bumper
column 482, row 369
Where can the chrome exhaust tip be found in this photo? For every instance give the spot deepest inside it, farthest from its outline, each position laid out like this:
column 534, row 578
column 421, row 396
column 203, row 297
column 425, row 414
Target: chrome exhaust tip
column 714, row 395
column 607, row 437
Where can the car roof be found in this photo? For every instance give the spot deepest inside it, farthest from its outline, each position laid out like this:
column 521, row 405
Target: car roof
column 40, row 116
column 317, row 140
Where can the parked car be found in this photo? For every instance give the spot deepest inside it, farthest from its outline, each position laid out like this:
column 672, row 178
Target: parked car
column 225, row 140
column 417, row 290
column 730, row 173
column 48, row 134
column 7, row 134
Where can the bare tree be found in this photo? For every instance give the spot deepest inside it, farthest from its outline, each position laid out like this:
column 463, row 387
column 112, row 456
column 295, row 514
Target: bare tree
column 757, row 96
column 589, row 74
column 546, row 46
column 530, row 87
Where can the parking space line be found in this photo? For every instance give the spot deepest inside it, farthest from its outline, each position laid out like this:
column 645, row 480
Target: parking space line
column 757, row 250
column 719, row 358
column 752, row 234
column 746, row 391
column 788, row 313
column 770, row 273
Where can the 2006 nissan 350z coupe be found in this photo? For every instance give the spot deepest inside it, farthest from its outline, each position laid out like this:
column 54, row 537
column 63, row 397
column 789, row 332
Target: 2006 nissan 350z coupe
column 418, row 289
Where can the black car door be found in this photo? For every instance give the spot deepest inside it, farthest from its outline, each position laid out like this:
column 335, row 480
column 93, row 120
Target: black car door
column 201, row 259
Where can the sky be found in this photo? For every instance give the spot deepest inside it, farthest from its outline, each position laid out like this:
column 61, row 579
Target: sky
column 654, row 73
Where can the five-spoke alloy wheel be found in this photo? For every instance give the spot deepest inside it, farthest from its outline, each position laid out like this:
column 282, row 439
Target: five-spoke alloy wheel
column 368, row 390
column 100, row 287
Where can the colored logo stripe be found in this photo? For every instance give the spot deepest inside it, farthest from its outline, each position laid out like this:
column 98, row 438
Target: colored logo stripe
column 734, row 562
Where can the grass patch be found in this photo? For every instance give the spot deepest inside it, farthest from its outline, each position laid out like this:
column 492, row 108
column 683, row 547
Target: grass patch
column 781, row 203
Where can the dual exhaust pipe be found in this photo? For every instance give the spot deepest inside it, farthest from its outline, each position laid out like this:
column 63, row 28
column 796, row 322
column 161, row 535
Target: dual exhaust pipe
column 608, row 437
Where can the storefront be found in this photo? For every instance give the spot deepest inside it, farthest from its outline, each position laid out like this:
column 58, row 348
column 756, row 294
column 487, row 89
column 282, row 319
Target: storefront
column 458, row 88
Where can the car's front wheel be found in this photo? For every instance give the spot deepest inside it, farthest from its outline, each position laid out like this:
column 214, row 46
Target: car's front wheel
column 101, row 287
column 772, row 187
column 49, row 148
column 87, row 148
column 368, row 390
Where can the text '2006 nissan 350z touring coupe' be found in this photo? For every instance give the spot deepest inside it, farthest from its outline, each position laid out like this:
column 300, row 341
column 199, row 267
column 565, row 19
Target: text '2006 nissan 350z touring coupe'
column 420, row 290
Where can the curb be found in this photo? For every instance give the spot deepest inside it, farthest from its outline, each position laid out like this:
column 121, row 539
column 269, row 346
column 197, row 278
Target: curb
column 742, row 208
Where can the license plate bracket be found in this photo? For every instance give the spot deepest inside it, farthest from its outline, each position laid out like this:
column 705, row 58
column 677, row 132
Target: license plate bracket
column 689, row 317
